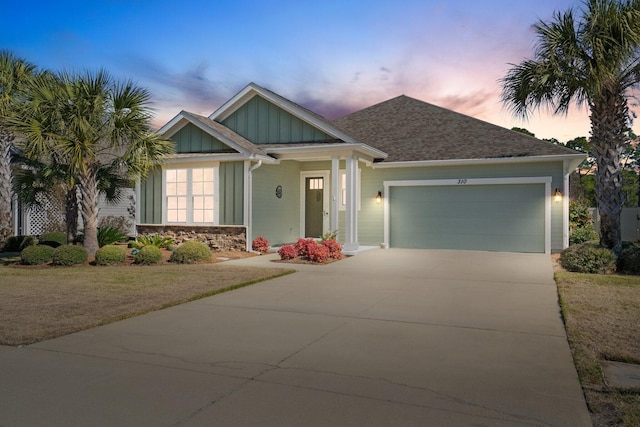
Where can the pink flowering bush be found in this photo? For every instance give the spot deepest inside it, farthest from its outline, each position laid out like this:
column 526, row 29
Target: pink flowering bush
column 260, row 244
column 303, row 245
column 335, row 248
column 288, row 252
column 317, row 252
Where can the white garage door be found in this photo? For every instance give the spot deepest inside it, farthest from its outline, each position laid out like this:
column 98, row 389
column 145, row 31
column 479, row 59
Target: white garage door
column 506, row 217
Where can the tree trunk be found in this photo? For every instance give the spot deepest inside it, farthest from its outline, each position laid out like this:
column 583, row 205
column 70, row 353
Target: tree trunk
column 71, row 213
column 609, row 127
column 6, row 229
column 89, row 206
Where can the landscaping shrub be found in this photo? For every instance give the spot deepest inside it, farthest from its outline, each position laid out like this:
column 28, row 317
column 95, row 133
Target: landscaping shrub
column 53, row 239
column 110, row 254
column 69, row 255
column 302, row 246
column 148, row 255
column 288, row 252
column 108, row 235
column 588, row 258
column 18, row 243
column 317, row 253
column 152, row 240
column 335, row 248
column 119, row 222
column 260, row 244
column 36, row 254
column 629, row 261
column 191, row 252
column 583, row 234
column 579, row 214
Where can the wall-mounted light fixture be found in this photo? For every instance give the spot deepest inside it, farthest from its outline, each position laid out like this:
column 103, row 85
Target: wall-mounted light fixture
column 557, row 196
column 379, row 197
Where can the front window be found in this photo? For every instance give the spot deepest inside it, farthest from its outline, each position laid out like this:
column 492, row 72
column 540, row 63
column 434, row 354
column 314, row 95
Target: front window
column 190, row 195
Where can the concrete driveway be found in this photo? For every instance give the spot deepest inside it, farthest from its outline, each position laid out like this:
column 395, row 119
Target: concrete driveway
column 388, row 337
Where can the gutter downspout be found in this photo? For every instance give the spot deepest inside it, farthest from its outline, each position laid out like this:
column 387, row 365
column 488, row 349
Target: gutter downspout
column 249, row 204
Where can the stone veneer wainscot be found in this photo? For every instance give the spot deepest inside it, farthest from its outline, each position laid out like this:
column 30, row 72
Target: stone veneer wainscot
column 219, row 238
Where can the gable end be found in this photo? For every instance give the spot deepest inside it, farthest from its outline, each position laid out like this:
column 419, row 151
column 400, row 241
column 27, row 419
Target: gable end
column 263, row 122
column 191, row 139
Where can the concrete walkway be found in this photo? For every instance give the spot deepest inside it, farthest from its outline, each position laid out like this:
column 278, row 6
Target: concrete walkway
column 388, row 337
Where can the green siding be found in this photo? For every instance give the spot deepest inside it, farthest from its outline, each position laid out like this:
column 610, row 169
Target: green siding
column 507, row 218
column 231, row 193
column 191, row 139
column 277, row 219
column 262, row 122
column 151, row 198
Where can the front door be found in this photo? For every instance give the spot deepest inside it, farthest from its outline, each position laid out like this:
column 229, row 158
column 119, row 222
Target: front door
column 314, row 206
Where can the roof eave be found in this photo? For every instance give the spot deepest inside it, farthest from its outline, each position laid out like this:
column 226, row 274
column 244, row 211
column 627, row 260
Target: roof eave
column 326, row 151
column 481, row 161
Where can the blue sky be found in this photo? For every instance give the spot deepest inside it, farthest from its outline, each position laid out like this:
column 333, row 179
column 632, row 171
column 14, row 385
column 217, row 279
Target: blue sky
column 333, row 57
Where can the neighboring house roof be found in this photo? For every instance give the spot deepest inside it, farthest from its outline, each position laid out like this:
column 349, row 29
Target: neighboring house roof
column 409, row 130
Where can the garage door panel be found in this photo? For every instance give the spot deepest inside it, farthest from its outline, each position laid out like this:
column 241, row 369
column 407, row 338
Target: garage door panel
column 479, row 217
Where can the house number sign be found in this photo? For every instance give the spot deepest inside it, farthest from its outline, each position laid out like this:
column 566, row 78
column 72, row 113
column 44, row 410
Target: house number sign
column 279, row 191
column 462, row 181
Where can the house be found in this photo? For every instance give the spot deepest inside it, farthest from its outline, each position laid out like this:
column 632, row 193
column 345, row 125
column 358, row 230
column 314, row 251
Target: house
column 402, row 173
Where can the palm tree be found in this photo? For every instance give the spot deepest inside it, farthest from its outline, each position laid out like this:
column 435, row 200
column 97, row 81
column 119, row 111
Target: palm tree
column 90, row 123
column 14, row 73
column 592, row 60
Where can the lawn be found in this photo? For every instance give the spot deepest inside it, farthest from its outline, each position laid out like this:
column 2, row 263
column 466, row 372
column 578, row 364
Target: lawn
column 40, row 303
column 602, row 319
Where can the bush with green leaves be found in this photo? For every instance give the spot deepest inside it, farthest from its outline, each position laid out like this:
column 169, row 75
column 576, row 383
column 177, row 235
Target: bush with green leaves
column 152, row 240
column 191, row 252
column 36, row 254
column 53, row 239
column 110, row 255
column 629, row 260
column 583, row 234
column 148, row 255
column 588, row 257
column 108, row 235
column 579, row 214
column 18, row 243
column 69, row 255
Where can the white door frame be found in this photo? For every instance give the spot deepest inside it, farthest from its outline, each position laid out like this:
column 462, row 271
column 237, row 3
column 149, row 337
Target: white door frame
column 326, row 195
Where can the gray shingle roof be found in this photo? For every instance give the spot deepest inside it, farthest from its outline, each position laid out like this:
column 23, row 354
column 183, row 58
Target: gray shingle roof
column 412, row 130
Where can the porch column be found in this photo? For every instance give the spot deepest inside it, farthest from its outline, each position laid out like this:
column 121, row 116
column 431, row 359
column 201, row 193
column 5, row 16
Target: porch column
column 335, row 193
column 351, row 207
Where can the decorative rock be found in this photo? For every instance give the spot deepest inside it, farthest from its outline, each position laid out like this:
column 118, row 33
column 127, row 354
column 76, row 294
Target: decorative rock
column 218, row 238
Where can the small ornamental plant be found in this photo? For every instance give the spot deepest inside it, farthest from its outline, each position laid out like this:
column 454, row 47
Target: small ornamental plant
column 288, row 252
column 260, row 244
column 110, row 255
column 191, row 252
column 69, row 255
column 148, row 255
column 36, row 254
column 303, row 245
column 317, row 253
column 335, row 248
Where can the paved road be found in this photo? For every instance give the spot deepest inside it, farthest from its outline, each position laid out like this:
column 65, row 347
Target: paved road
column 388, row 337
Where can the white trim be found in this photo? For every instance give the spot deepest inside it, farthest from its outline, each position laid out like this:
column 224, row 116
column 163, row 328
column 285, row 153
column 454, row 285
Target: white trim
column 216, row 194
column 351, row 210
column 324, row 151
column 138, row 201
column 568, row 168
column 468, row 162
column 546, row 180
column 335, row 193
column 341, row 206
column 325, row 198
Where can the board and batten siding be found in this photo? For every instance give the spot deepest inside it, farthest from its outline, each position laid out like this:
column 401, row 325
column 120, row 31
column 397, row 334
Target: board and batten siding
column 231, row 195
column 262, row 122
column 191, row 139
column 151, row 198
column 276, row 219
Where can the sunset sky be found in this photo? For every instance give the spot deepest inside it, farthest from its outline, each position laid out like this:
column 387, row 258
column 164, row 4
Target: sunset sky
column 333, row 57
